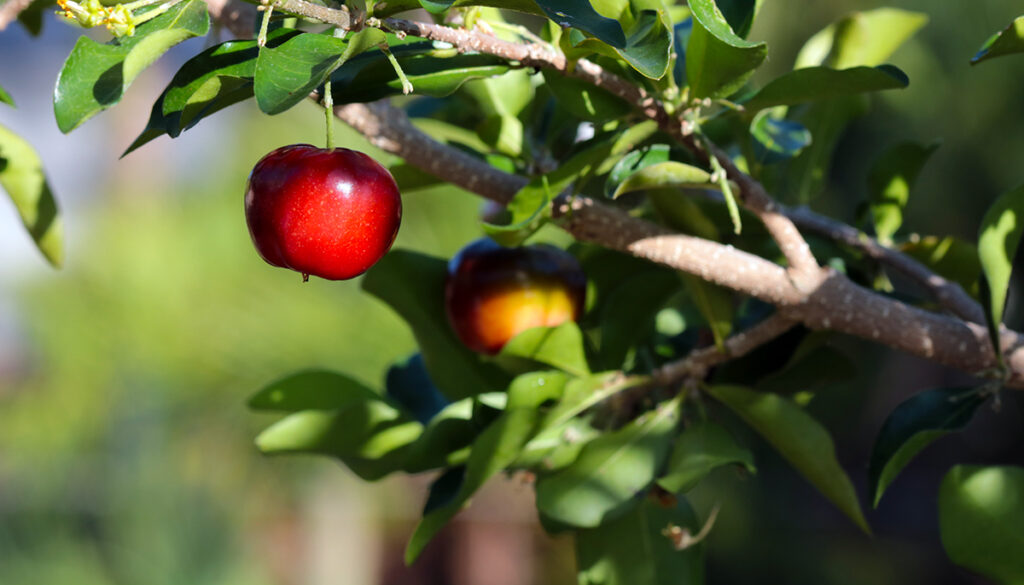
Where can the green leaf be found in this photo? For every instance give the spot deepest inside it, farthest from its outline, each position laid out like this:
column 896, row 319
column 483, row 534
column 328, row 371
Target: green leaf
column 739, row 14
column 95, row 76
column 777, row 139
column 218, row 77
column 699, row 449
column 949, row 257
column 6, row 97
column 998, row 240
column 369, row 76
column 286, row 74
column 446, row 438
column 633, row 549
column 717, row 61
column 561, row 347
column 411, row 178
column 311, row 390
column 557, row 447
column 532, row 389
column 610, row 471
column 889, row 182
column 451, row 134
column 367, row 434
column 583, row 393
column 634, row 161
column 981, row 512
column 648, row 45
column 22, row 177
column 809, row 370
column 436, row 6
column 628, row 315
column 504, row 95
column 715, row 305
column 580, row 14
column 1008, row 41
column 456, row 370
column 800, row 439
column 818, row 83
column 496, row 448
column 584, row 100
column 915, row 424
column 503, row 133
column 861, row 38
column 666, row 174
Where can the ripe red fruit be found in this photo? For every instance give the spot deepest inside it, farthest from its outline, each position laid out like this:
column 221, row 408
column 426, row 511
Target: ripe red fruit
column 493, row 293
column 330, row 213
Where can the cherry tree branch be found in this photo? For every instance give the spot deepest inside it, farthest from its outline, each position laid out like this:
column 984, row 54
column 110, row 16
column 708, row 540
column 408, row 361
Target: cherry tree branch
column 823, row 299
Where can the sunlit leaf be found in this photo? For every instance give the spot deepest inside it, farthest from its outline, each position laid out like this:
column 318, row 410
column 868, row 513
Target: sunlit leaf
column 311, row 390
column 496, row 448
column 666, row 174
column 776, row 139
column 818, row 83
column 981, row 512
column 6, row 97
column 23, row 178
column 800, row 439
column 998, row 239
column 95, row 76
column 561, row 347
column 915, row 424
column 635, row 550
column 1008, row 41
column 861, row 38
column 889, row 182
column 610, row 471
column 718, row 62
column 698, row 450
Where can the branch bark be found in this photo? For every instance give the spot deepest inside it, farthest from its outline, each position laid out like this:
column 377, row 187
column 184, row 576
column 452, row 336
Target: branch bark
column 10, row 10
column 818, row 298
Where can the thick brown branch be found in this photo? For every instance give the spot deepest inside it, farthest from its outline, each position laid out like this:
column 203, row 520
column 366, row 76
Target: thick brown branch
column 833, row 302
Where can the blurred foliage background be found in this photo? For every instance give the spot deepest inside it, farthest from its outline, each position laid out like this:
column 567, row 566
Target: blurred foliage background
column 125, row 444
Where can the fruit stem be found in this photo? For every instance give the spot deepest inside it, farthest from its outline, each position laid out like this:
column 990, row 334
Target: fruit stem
column 268, row 8
column 329, row 112
column 406, row 84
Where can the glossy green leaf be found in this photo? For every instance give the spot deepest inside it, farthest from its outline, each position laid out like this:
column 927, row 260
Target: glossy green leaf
column 580, row 14
column 740, row 14
column 311, row 390
column 649, row 45
column 949, row 257
column 915, row 424
column 634, row 549
column 1008, row 41
column 556, row 447
column 715, row 304
column 436, row 6
column 861, row 38
column 287, row 73
column 610, row 471
column 496, row 448
column 981, row 512
column 628, row 316
column 6, row 97
column 819, row 83
column 998, row 239
column 583, row 393
column 532, row 389
column 369, row 435
column 409, row 385
column 23, row 178
column 585, row 100
column 698, row 450
column 561, row 347
column 446, row 438
column 503, row 133
column 800, row 439
column 776, row 139
column 889, row 182
column 666, row 174
column 456, row 370
column 95, row 76
column 218, row 77
column 717, row 61
column 635, row 161
column 504, row 95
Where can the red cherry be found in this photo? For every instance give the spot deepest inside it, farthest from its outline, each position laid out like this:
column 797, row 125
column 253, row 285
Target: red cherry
column 330, row 213
column 493, row 293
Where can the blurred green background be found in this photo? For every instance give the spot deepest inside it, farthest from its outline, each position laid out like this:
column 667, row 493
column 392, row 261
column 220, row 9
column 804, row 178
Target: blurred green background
column 125, row 445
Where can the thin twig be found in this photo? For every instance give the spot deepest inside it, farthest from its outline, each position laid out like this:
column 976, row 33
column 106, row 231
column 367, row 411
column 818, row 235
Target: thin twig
column 10, row 10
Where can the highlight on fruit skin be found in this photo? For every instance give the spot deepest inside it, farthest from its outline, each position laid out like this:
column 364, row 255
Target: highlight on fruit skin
column 493, row 293
column 331, row 213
